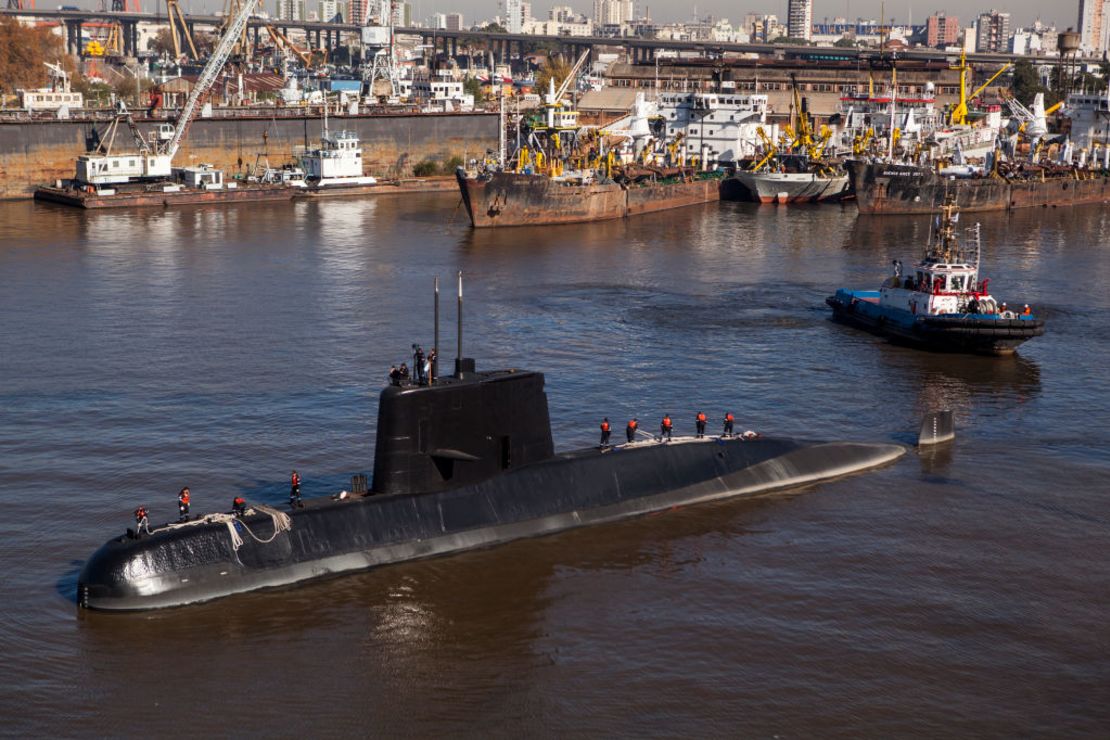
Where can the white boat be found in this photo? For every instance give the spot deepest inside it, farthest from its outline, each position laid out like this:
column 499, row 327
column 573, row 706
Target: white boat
column 337, row 163
column 793, row 178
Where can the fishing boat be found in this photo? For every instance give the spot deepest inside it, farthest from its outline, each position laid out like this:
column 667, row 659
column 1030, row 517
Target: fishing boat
column 941, row 304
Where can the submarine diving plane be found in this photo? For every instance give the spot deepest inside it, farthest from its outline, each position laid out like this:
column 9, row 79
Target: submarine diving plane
column 464, row 462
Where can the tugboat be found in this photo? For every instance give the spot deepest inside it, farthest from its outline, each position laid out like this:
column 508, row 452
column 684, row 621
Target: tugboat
column 941, row 304
column 461, row 462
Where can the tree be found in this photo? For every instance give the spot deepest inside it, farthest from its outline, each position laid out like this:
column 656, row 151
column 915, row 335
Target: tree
column 23, row 53
column 845, row 43
column 555, row 67
column 790, row 41
column 495, row 28
column 161, row 43
column 1026, row 82
column 473, row 86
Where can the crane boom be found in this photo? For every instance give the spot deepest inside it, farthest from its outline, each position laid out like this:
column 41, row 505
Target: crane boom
column 212, row 70
column 571, row 77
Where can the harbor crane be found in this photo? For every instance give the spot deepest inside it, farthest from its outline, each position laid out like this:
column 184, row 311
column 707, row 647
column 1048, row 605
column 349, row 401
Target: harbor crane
column 959, row 113
column 154, row 159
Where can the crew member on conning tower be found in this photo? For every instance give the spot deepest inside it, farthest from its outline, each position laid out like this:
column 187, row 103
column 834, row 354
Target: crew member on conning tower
column 666, row 427
column 605, row 432
column 630, row 430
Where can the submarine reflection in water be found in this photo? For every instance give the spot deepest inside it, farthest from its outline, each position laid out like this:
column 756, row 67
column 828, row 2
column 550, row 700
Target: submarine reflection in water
column 466, row 462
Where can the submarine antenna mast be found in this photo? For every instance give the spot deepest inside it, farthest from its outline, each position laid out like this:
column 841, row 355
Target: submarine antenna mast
column 458, row 361
column 435, row 340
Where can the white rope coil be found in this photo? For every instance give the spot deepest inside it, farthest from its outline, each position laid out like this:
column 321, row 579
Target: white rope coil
column 282, row 523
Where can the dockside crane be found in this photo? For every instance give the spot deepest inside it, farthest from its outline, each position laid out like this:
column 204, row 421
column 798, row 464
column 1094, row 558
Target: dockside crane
column 959, row 113
column 154, row 160
column 179, row 30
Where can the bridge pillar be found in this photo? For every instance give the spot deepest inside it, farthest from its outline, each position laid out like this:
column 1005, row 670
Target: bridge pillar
column 73, row 37
column 128, row 31
column 455, row 48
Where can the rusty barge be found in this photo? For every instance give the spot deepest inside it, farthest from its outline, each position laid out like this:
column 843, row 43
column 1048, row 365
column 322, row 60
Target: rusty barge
column 514, row 199
column 899, row 189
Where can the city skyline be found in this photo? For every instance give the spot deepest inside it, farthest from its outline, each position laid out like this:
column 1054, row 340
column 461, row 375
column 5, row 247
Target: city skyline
column 1023, row 12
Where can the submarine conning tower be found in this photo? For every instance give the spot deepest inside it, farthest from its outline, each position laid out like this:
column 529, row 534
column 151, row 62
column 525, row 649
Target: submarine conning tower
column 461, row 429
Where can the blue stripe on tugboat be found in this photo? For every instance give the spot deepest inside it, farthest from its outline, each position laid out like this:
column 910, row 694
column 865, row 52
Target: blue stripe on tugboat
column 941, row 304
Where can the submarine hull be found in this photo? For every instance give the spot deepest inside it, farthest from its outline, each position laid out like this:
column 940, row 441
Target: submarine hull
column 180, row 565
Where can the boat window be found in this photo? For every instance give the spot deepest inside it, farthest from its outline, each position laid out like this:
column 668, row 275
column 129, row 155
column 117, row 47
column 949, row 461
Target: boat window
column 956, row 282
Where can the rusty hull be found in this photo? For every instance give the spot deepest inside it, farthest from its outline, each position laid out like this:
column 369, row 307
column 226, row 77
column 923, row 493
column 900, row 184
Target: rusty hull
column 887, row 189
column 508, row 199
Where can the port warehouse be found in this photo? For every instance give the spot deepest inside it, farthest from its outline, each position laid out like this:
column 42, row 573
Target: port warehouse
column 39, row 152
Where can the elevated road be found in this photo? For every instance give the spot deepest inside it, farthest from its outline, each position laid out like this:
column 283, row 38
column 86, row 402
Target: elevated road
column 639, row 49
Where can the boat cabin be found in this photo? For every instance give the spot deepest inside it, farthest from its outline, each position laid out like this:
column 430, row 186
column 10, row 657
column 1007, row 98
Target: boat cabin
column 945, row 281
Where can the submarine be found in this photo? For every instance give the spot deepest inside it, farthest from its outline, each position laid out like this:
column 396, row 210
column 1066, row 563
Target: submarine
column 461, row 462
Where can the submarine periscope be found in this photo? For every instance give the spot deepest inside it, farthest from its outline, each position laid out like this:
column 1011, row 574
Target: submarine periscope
column 461, row 462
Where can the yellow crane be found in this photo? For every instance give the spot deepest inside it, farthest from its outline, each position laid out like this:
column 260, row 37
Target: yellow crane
column 769, row 150
column 861, row 141
column 179, row 29
column 959, row 113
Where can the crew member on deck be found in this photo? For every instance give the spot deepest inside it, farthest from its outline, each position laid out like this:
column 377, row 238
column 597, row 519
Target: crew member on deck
column 630, row 430
column 729, row 419
column 1026, row 311
column 418, row 363
column 295, row 490
column 666, row 427
column 432, row 366
column 239, row 507
column 183, row 505
column 700, row 421
column 404, row 374
column 605, row 432
column 394, row 375
column 140, row 521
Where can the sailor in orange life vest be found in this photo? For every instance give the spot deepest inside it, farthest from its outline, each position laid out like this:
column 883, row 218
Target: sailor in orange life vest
column 700, row 421
column 729, row 419
column 630, row 430
column 605, row 432
column 1026, row 311
column 183, row 505
column 239, row 506
column 665, row 427
column 140, row 520
column 295, row 490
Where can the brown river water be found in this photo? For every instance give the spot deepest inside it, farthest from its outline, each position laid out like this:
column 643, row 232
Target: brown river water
column 962, row 591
